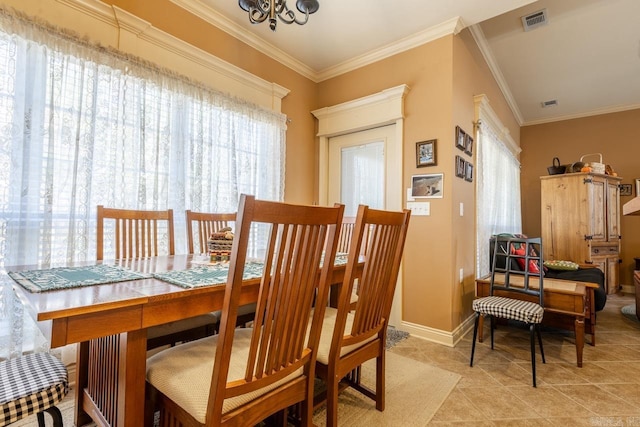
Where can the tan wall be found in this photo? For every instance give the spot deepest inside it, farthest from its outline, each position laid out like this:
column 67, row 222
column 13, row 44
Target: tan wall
column 427, row 260
column 614, row 135
column 166, row 16
column 443, row 77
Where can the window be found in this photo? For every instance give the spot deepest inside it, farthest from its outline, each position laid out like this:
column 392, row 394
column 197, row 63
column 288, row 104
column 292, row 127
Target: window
column 498, row 184
column 81, row 126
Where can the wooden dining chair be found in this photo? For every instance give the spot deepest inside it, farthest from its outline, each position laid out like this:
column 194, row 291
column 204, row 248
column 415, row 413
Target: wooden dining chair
column 241, row 376
column 136, row 232
column 146, row 233
column 200, row 225
column 351, row 336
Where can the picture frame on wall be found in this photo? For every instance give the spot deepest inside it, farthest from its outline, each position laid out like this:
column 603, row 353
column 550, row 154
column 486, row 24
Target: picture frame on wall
column 461, row 166
column 626, row 190
column 460, row 138
column 427, row 186
column 468, row 145
column 468, row 176
column 426, row 153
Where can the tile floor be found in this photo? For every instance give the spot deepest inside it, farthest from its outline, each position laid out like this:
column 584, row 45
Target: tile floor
column 497, row 390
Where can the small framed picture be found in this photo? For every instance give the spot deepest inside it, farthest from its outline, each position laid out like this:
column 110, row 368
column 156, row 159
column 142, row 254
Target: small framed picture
column 468, row 145
column 461, row 166
column 426, row 153
column 626, row 189
column 427, row 186
column 637, row 186
column 460, row 138
column 468, row 176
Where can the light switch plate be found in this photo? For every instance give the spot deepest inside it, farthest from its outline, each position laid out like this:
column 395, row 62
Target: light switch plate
column 419, row 208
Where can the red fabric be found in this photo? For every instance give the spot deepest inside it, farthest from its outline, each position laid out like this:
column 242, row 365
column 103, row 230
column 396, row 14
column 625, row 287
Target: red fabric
column 533, row 264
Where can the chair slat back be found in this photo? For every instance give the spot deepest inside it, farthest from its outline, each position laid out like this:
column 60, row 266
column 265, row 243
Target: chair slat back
column 522, row 258
column 205, row 223
column 380, row 235
column 282, row 340
column 346, row 234
column 137, row 233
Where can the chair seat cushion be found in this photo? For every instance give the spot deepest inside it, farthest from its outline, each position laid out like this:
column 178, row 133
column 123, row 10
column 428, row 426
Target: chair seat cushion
column 30, row 384
column 183, row 373
column 509, row 308
column 328, row 325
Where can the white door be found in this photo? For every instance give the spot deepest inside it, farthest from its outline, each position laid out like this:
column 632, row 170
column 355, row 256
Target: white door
column 361, row 172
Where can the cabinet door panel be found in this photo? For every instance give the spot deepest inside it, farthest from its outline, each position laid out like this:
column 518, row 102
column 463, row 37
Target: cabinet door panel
column 613, row 212
column 597, row 196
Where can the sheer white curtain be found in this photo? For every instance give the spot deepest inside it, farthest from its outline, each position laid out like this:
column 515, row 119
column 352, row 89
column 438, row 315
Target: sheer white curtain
column 498, row 193
column 82, row 126
column 362, row 177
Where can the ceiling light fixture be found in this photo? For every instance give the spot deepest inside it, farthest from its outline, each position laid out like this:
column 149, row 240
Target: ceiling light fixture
column 260, row 10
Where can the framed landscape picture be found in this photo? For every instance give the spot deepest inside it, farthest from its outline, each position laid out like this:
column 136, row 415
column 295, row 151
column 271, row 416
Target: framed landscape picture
column 426, row 153
column 427, row 186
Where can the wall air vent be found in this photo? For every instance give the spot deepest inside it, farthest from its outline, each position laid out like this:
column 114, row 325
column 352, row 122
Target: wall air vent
column 550, row 103
column 535, row 20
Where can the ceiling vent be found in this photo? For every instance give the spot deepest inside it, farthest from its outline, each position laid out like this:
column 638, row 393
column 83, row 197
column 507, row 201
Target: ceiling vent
column 550, row 103
column 535, row 20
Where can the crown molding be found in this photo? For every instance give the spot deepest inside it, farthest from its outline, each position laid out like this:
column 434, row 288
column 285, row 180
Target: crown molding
column 215, row 18
column 608, row 110
column 198, row 8
column 452, row 26
column 483, row 45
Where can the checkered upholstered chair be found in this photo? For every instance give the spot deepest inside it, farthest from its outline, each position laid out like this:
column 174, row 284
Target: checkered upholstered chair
column 516, row 270
column 32, row 384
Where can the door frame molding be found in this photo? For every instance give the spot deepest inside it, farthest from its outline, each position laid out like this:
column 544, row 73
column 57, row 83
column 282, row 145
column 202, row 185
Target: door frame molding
column 379, row 109
column 382, row 108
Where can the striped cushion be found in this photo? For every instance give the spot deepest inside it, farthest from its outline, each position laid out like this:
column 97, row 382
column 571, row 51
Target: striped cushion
column 509, row 308
column 183, row 373
column 29, row 385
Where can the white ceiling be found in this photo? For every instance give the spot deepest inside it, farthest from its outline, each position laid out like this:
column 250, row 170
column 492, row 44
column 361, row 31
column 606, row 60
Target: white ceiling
column 587, row 57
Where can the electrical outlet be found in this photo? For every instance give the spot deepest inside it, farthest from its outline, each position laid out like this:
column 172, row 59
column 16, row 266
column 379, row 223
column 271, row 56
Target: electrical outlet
column 461, row 275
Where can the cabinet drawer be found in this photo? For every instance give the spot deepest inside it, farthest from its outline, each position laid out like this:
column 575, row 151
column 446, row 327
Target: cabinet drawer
column 604, row 250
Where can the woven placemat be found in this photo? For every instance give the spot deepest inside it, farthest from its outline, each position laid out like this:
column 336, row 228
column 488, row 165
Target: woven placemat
column 206, row 275
column 73, row 277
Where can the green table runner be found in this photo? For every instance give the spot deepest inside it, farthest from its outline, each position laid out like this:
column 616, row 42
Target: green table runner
column 214, row 274
column 73, row 277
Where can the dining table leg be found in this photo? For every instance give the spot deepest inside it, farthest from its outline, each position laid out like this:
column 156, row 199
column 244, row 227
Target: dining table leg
column 579, row 331
column 132, row 375
column 111, row 375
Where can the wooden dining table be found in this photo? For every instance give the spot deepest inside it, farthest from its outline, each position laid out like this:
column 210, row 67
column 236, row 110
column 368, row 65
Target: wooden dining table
column 110, row 322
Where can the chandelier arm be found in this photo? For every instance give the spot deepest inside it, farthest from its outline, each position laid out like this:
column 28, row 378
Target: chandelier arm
column 261, row 10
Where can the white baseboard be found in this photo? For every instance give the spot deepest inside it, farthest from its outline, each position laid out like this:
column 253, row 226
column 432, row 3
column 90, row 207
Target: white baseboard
column 450, row 339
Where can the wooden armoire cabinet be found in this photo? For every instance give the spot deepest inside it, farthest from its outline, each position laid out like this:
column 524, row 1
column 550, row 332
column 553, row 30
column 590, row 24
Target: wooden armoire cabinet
column 581, row 221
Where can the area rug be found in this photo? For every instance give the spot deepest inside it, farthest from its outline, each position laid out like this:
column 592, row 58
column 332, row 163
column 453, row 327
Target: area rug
column 394, row 336
column 629, row 311
column 414, row 393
